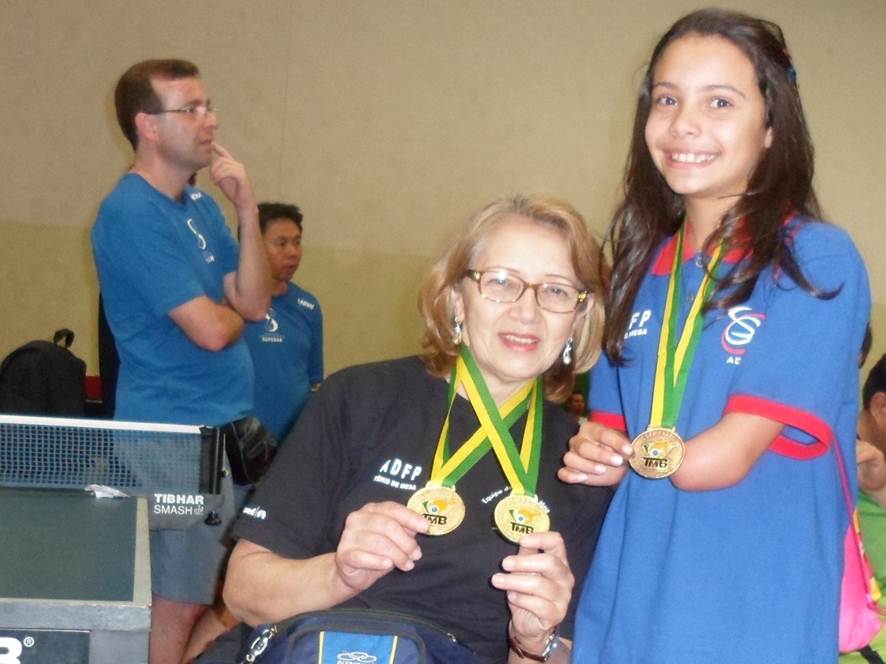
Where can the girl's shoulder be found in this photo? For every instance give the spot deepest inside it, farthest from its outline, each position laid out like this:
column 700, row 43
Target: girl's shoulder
column 825, row 255
column 807, row 234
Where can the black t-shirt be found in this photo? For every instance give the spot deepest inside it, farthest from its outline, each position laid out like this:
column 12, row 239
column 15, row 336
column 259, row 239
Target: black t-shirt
column 369, row 435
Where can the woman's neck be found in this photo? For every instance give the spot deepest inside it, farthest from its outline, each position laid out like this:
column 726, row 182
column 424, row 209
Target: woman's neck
column 499, row 394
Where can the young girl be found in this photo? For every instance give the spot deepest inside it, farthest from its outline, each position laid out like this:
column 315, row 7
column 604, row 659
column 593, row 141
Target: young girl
column 735, row 319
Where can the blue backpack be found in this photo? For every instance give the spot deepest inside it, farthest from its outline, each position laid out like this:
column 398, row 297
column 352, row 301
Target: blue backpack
column 354, row 636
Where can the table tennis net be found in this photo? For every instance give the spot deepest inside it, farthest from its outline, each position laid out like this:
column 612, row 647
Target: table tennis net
column 137, row 458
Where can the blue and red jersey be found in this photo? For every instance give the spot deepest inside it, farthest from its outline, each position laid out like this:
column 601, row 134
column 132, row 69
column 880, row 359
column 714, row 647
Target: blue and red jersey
column 749, row 573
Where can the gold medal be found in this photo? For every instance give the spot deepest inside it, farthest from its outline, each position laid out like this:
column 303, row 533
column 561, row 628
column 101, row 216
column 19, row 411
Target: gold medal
column 658, row 452
column 438, row 501
column 441, row 506
column 518, row 514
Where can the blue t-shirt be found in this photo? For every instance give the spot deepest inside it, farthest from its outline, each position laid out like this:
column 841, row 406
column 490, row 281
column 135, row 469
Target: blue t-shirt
column 750, row 573
column 153, row 254
column 287, row 351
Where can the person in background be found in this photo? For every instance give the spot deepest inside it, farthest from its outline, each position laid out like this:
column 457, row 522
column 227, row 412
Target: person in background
column 872, row 438
column 871, row 448
column 575, row 406
column 287, row 346
column 177, row 291
column 287, row 351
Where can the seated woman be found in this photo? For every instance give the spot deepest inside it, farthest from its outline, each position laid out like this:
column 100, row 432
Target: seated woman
column 428, row 486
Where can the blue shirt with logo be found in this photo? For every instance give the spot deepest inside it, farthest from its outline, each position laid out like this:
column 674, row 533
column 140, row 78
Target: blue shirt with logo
column 153, row 254
column 749, row 573
column 287, row 350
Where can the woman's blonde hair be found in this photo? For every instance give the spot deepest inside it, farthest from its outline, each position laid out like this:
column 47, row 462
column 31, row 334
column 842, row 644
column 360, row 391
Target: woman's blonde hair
column 435, row 302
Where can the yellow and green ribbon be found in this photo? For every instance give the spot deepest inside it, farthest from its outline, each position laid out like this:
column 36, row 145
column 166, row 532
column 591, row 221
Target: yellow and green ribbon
column 675, row 356
column 519, row 467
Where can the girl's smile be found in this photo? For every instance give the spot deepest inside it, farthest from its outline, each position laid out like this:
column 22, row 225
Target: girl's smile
column 707, row 126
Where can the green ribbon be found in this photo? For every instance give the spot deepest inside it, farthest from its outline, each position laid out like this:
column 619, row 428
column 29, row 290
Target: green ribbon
column 675, row 357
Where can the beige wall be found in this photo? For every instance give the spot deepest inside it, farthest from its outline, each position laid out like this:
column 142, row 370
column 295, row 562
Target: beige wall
column 388, row 121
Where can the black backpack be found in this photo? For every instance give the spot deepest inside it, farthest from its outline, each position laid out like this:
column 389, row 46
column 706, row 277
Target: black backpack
column 43, row 378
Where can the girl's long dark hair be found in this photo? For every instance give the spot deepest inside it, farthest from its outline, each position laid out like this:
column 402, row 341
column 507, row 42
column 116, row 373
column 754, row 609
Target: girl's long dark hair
column 780, row 185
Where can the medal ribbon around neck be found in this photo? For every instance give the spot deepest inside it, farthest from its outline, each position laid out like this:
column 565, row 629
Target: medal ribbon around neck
column 447, row 469
column 659, row 450
column 518, row 513
column 675, row 356
column 520, row 468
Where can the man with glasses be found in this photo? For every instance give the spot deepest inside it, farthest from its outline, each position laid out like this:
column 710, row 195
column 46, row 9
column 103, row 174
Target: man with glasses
column 177, row 290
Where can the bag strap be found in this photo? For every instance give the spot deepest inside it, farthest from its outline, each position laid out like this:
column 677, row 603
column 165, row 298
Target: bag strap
column 858, row 548
column 844, row 480
column 870, row 655
column 63, row 334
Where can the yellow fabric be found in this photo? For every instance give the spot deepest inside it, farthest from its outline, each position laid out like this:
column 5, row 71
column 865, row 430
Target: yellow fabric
column 441, row 469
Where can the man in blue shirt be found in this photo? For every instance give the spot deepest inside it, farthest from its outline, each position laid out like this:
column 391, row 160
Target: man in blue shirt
column 287, row 352
column 287, row 346
column 177, row 291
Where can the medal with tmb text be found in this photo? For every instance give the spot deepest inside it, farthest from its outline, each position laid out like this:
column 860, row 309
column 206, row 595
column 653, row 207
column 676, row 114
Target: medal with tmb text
column 520, row 512
column 438, row 501
column 659, row 451
column 441, row 506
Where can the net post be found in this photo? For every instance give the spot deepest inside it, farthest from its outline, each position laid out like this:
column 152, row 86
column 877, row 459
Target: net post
column 211, row 459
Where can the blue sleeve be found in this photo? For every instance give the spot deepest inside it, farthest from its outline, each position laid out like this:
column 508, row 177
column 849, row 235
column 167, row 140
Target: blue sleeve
column 135, row 252
column 802, row 367
column 604, row 399
column 315, row 361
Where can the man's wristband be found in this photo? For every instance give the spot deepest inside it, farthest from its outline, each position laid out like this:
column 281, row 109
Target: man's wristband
column 551, row 644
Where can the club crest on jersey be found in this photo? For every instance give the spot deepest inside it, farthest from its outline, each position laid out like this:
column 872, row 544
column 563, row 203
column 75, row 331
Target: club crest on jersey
column 271, row 324
column 271, row 333
column 398, row 474
column 739, row 332
column 208, row 256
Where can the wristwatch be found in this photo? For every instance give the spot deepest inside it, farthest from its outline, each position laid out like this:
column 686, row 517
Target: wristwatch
column 551, row 644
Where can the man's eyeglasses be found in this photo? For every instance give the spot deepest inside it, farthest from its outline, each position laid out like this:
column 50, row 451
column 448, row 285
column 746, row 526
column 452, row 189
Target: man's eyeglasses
column 195, row 111
column 502, row 286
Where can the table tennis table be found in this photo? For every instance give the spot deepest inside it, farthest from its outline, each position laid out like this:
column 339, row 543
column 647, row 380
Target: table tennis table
column 75, row 569
column 74, row 578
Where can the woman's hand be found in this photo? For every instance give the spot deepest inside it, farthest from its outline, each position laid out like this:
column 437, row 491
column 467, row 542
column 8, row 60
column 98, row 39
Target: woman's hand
column 597, row 456
column 262, row 586
column 538, row 583
column 376, row 539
